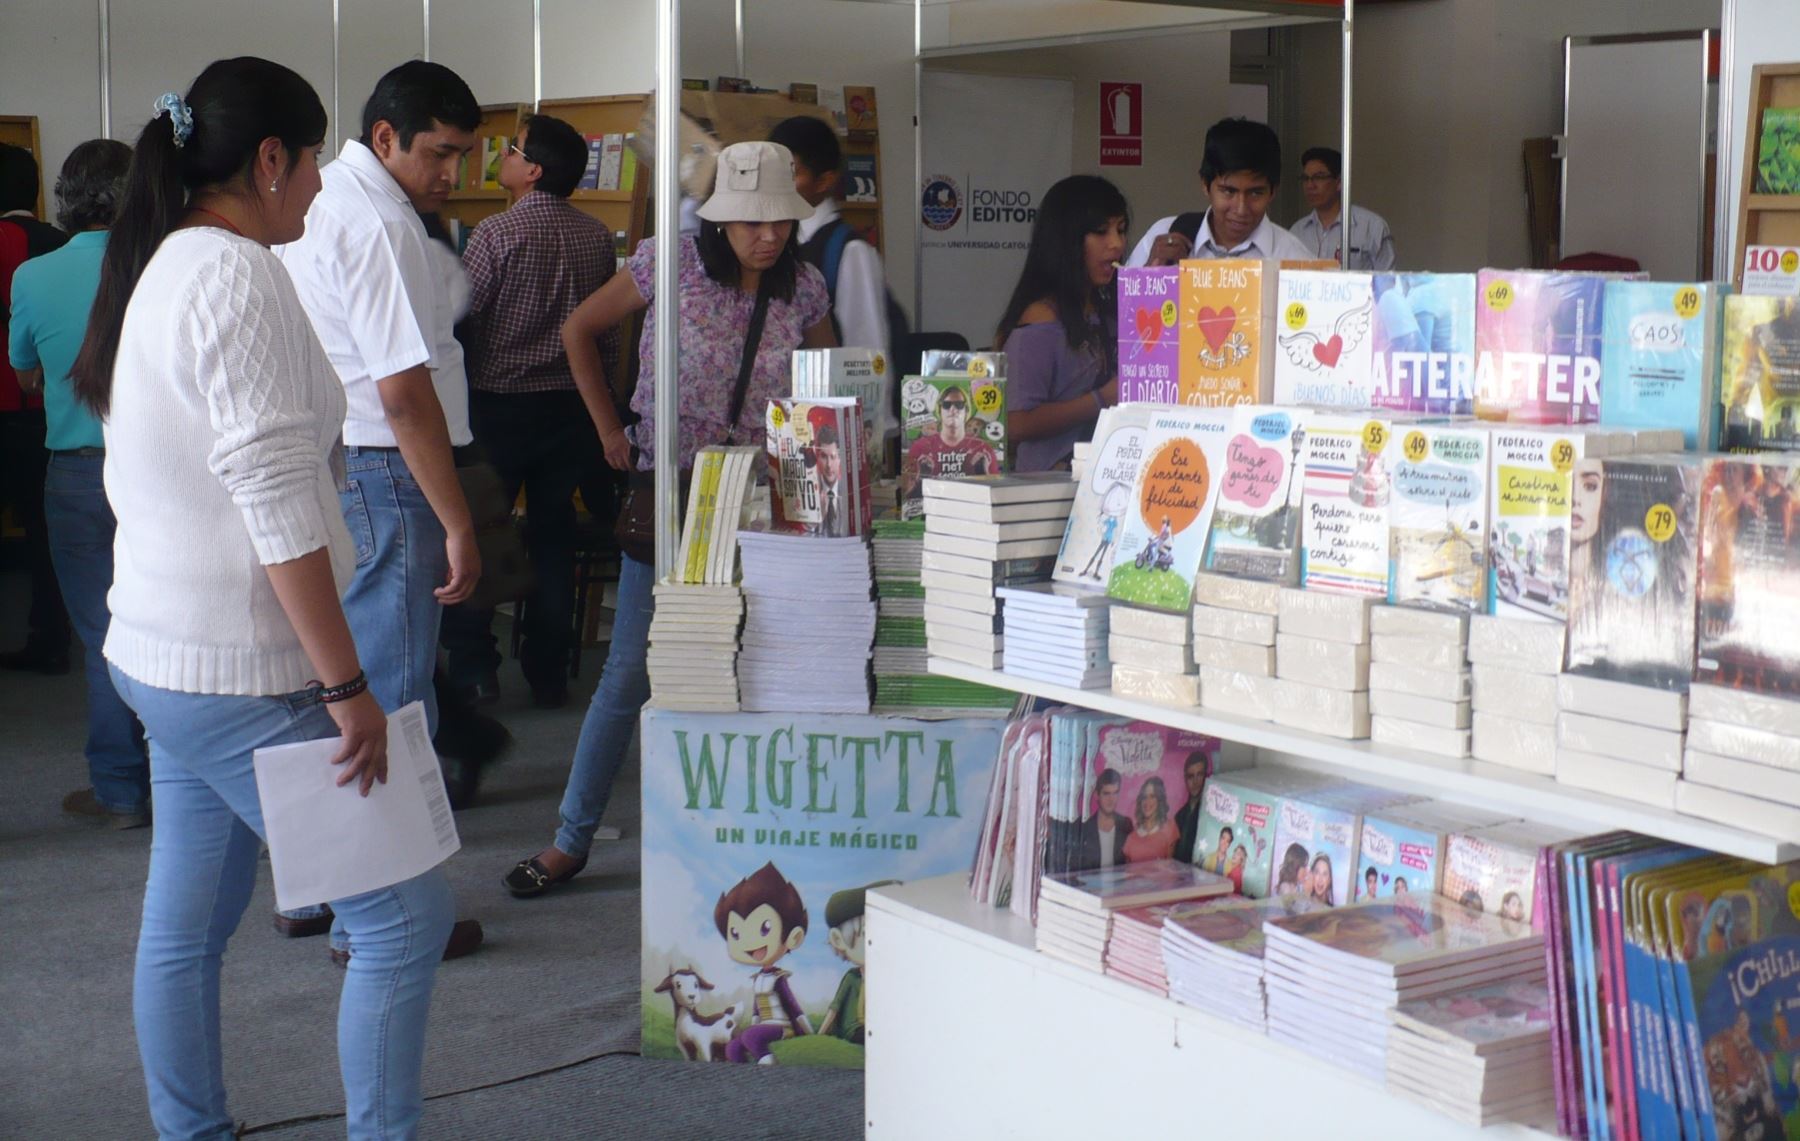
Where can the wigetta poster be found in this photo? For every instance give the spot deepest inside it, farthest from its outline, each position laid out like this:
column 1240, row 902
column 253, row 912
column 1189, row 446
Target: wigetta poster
column 762, row 831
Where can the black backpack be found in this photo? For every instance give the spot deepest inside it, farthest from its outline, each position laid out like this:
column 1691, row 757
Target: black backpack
column 825, row 250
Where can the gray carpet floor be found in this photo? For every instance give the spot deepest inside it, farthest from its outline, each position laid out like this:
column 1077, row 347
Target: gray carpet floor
column 533, row 1037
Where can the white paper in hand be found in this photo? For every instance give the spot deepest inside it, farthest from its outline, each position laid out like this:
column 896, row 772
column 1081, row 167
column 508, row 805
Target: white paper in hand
column 327, row 842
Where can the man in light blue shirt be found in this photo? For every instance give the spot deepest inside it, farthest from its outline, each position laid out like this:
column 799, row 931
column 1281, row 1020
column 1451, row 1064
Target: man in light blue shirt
column 51, row 297
column 1322, row 231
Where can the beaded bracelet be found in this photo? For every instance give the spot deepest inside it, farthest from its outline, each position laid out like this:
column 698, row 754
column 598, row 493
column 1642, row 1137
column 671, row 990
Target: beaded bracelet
column 330, row 694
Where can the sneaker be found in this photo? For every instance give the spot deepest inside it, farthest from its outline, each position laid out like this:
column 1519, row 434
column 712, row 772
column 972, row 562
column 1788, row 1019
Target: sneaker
column 83, row 802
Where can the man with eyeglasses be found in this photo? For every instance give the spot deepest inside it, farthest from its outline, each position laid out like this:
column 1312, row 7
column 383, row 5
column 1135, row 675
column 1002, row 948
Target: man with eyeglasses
column 1322, row 231
column 949, row 452
column 1239, row 171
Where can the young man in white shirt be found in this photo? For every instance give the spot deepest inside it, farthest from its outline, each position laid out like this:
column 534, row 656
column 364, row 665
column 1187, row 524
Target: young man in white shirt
column 852, row 267
column 1239, row 171
column 385, row 318
column 1322, row 231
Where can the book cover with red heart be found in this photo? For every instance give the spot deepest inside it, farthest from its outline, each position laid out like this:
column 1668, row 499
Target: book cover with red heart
column 1149, row 354
column 1322, row 328
column 1225, row 309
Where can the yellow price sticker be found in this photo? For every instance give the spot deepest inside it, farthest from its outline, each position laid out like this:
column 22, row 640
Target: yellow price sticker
column 1416, row 446
column 1687, row 302
column 978, row 366
column 1375, row 437
column 1562, row 456
column 1168, row 314
column 1296, row 315
column 1659, row 523
column 1790, row 261
column 777, row 415
column 1500, row 296
column 987, row 399
column 1794, row 889
column 879, row 364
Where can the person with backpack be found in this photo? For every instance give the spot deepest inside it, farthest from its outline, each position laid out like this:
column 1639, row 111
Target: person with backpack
column 1240, row 171
column 864, row 314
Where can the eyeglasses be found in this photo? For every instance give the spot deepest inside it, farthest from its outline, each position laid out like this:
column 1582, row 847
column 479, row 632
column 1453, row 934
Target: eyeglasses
column 515, row 148
column 954, row 406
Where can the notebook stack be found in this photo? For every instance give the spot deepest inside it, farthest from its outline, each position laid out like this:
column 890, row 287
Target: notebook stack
column 1076, row 909
column 1152, row 656
column 1213, row 955
column 1056, row 633
column 1481, row 1055
column 1742, row 765
column 693, row 651
column 809, row 623
column 1335, row 976
column 968, row 552
column 1514, row 663
column 1234, row 622
column 1134, row 952
column 1419, row 679
column 1322, row 662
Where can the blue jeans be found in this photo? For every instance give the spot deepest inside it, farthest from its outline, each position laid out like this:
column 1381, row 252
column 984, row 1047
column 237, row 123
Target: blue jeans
column 400, row 560
column 203, row 860
column 613, row 714
column 80, row 525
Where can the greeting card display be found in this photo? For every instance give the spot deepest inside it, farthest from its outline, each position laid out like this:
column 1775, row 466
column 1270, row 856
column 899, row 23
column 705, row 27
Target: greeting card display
column 1226, row 307
column 1424, row 354
column 1760, row 385
column 1170, row 513
column 1346, row 497
column 1660, row 365
column 1439, row 516
column 1103, row 499
column 1149, row 345
column 1750, row 574
column 1537, row 346
column 1256, row 522
column 1323, row 334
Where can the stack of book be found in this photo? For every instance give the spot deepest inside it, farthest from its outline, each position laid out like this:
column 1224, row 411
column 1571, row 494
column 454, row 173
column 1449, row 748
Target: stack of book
column 860, row 373
column 1134, row 952
column 1633, row 577
column 1480, row 1055
column 904, row 683
column 1234, row 622
column 1213, row 956
column 960, row 573
column 1514, row 663
column 1322, row 662
column 1152, row 656
column 1055, row 633
column 1334, row 977
column 809, row 623
column 692, row 657
column 1742, row 765
column 1403, row 848
column 1076, row 909
column 1419, row 679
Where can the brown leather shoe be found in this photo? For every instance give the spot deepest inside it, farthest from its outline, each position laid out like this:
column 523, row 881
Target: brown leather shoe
column 83, row 802
column 303, row 928
column 465, row 936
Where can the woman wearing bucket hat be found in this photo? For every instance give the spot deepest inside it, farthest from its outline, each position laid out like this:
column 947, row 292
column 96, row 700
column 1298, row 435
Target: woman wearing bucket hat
column 747, row 302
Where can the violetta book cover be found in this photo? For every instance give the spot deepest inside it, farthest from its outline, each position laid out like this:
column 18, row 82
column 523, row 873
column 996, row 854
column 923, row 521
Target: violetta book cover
column 1239, row 815
column 1317, row 836
column 1322, row 329
column 1750, row 574
column 1346, row 499
column 1494, row 870
column 1097, row 518
column 1537, row 346
column 1634, row 545
column 1149, row 342
column 1760, row 382
column 1424, row 354
column 1398, row 934
column 1225, row 313
column 1170, row 513
column 1150, row 778
column 1482, row 1019
column 1439, row 515
column 1256, row 522
column 1659, row 368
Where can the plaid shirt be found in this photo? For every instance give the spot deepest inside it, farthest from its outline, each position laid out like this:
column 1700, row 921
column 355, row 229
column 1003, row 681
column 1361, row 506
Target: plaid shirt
column 529, row 267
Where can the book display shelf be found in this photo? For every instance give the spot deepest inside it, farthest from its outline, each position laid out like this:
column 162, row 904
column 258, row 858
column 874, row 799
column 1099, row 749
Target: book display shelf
column 1769, row 198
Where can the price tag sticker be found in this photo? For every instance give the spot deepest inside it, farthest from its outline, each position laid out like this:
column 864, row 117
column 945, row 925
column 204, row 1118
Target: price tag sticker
column 1375, row 437
column 987, row 398
column 1772, row 271
column 1168, row 314
column 1296, row 315
column 777, row 415
column 1499, row 296
column 1416, row 446
column 1562, row 456
column 1659, row 523
column 1794, row 899
column 978, row 366
column 1687, row 302
column 878, row 363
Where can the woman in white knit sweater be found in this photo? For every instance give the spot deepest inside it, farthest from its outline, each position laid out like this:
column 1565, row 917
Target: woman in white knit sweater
column 222, row 422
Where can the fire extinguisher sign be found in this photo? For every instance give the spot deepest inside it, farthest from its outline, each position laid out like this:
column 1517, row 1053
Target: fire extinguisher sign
column 1121, row 124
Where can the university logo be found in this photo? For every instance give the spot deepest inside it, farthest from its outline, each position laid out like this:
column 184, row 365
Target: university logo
column 940, row 204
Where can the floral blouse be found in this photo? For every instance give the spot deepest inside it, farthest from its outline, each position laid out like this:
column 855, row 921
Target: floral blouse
column 715, row 319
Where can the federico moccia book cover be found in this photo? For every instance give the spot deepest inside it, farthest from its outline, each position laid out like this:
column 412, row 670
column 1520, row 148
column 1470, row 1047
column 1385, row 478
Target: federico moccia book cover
column 1097, row 515
column 1760, row 385
column 1634, row 546
column 1424, row 355
column 1750, row 575
column 1223, row 317
column 1528, row 549
column 1660, row 365
column 1346, row 501
column 1440, row 508
column 951, row 426
column 762, row 834
column 1170, row 512
column 1256, row 522
column 1537, row 346
column 1149, row 344
column 1149, row 778
column 1323, row 333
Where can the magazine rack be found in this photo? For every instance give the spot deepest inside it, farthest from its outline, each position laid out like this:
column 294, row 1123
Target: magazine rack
column 1765, row 219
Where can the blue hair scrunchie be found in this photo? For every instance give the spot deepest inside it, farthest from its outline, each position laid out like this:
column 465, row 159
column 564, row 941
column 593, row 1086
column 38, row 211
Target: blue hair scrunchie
column 181, row 118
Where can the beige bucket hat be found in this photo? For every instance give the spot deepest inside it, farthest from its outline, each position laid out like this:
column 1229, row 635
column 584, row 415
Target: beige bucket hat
column 755, row 183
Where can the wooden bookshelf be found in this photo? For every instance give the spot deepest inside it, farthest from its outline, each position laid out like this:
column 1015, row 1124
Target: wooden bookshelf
column 1765, row 219
column 22, row 131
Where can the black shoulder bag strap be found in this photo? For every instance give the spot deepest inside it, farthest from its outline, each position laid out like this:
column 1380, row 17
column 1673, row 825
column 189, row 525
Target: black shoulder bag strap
column 752, row 342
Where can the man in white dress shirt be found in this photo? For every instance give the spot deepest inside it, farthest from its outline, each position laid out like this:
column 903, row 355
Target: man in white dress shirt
column 1239, row 171
column 1322, row 231
column 852, row 267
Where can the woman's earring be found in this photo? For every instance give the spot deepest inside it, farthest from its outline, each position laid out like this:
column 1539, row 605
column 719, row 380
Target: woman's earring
column 271, row 188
